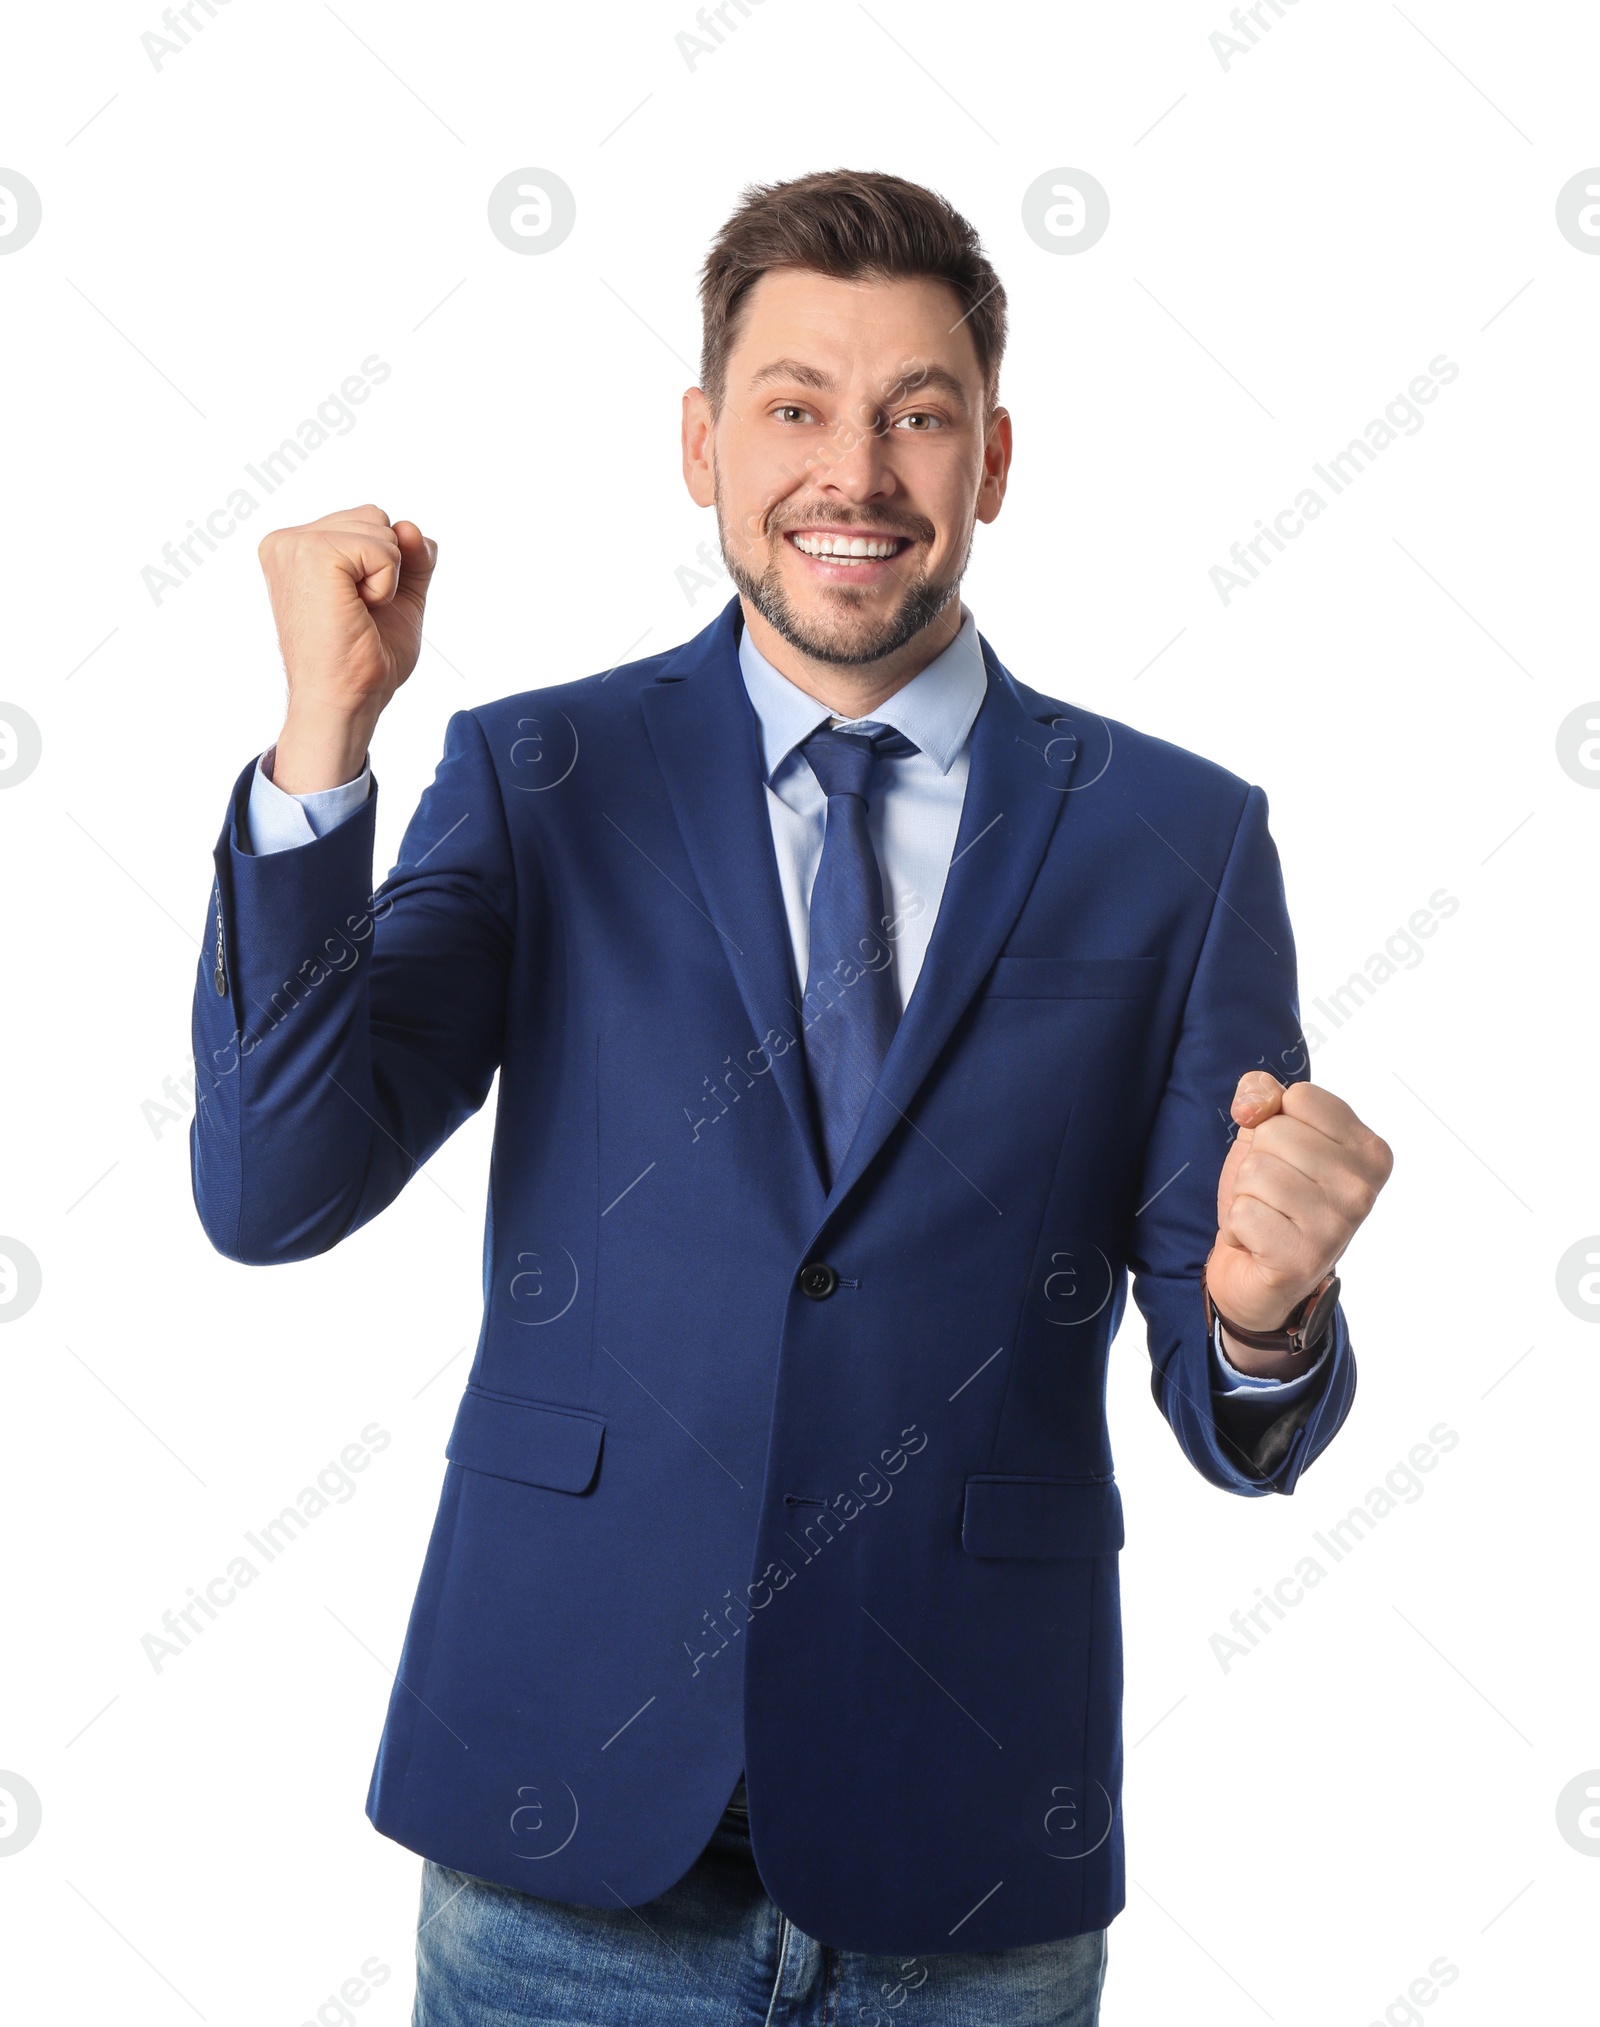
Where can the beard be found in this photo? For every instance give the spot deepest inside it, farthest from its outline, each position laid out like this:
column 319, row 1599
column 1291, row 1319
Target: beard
column 844, row 630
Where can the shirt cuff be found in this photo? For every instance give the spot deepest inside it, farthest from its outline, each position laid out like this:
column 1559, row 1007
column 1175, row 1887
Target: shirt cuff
column 1228, row 1380
column 278, row 821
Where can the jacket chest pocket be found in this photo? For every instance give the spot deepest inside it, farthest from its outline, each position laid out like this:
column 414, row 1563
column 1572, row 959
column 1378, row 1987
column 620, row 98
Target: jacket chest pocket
column 1130, row 978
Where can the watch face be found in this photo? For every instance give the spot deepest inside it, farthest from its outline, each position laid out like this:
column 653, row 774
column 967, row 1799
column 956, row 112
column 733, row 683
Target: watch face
column 1315, row 1327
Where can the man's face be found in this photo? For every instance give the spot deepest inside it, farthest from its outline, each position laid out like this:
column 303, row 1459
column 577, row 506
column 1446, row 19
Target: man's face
column 850, row 459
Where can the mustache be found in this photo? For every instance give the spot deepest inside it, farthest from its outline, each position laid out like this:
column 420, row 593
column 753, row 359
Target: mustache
column 913, row 529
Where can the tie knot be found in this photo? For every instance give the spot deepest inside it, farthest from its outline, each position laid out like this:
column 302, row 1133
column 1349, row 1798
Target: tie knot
column 843, row 761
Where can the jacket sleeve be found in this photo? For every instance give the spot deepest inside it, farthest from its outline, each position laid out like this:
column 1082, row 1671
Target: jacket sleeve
column 1241, row 1013
column 341, row 1034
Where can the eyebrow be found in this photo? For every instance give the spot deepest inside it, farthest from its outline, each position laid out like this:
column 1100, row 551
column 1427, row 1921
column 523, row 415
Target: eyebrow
column 798, row 373
column 796, row 370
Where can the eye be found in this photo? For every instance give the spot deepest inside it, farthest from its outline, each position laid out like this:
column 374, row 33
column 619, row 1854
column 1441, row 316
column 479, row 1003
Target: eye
column 920, row 422
column 791, row 411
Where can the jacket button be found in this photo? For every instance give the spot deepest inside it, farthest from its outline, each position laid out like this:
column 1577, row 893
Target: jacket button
column 818, row 1280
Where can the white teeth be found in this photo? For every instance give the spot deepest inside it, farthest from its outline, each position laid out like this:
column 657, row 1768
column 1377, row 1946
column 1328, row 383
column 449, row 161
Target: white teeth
column 848, row 546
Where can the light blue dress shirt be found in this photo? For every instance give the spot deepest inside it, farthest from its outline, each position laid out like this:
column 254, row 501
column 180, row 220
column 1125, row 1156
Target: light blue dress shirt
column 914, row 809
column 914, row 814
column 278, row 821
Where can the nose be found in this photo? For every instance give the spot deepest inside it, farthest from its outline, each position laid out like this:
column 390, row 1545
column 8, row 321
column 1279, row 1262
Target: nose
column 855, row 465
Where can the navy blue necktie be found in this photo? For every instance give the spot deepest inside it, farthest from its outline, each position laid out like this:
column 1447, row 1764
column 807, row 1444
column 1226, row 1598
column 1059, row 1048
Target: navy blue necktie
column 851, row 1006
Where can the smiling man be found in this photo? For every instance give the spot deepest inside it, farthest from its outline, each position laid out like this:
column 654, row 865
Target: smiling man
column 864, row 1017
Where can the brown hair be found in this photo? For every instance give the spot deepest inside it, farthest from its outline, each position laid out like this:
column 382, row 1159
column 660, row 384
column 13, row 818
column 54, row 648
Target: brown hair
column 848, row 224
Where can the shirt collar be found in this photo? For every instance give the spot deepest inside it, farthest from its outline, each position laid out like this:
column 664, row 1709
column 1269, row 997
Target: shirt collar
column 934, row 710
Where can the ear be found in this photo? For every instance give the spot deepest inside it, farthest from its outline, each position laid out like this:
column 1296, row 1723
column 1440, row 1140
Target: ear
column 996, row 465
column 699, row 457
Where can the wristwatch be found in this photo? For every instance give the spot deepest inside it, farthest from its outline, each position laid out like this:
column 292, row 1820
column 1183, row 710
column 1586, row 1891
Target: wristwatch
column 1303, row 1328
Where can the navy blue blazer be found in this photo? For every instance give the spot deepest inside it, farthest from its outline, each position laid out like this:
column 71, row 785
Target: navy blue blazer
column 855, row 1530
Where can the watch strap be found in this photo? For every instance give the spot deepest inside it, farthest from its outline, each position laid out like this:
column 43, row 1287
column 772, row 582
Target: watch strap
column 1301, row 1331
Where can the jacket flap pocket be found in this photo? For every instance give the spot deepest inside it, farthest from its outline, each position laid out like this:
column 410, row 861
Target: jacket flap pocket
column 1073, row 977
column 1041, row 1517
column 525, row 1440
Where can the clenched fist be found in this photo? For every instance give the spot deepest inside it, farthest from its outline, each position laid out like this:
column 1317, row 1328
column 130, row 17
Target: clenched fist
column 347, row 595
column 1300, row 1177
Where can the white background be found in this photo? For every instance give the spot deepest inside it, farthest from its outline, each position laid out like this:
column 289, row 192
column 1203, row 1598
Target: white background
column 1293, row 238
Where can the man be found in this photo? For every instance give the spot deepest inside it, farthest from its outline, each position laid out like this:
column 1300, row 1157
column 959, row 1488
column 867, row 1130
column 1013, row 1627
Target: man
column 862, row 1016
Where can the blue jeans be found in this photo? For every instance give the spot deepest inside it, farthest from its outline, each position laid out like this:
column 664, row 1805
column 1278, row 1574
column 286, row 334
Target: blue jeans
column 713, row 1951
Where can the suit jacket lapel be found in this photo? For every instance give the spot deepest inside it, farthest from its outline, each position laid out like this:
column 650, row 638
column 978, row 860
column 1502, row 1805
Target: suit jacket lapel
column 707, row 741
column 1025, row 758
